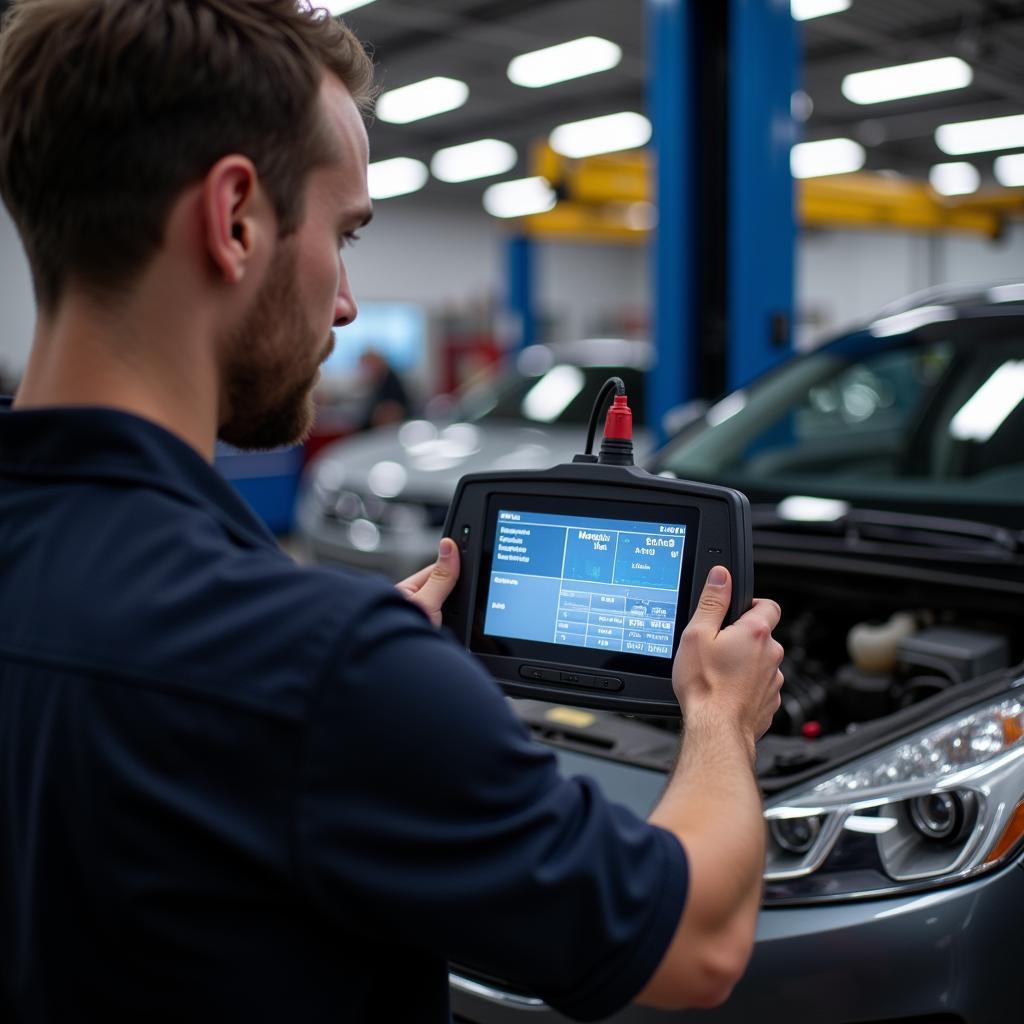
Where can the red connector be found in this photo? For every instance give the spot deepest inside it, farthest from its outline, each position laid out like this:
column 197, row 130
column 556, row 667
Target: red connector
column 617, row 446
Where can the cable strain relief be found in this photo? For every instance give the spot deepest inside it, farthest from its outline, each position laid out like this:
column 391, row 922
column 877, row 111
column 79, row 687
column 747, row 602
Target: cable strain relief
column 616, row 451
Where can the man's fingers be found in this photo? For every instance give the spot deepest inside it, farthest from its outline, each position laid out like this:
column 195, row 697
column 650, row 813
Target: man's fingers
column 714, row 601
column 766, row 611
column 413, row 583
column 440, row 581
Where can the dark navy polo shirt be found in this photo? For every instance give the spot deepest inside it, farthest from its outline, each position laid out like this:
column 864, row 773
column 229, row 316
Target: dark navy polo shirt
column 235, row 789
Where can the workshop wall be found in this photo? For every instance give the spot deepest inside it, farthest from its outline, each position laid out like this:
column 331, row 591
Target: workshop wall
column 451, row 257
column 16, row 300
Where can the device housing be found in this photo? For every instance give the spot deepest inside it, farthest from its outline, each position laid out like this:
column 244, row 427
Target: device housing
column 713, row 521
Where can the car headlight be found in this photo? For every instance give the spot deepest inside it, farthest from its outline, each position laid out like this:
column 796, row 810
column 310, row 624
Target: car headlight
column 938, row 806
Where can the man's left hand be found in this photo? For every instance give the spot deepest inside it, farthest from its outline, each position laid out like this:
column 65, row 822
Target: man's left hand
column 430, row 587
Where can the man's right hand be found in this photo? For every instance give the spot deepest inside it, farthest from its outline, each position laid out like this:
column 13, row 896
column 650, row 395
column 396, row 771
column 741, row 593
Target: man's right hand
column 732, row 671
column 727, row 682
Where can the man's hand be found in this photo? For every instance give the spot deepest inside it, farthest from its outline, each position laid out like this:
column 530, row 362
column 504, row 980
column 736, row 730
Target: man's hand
column 430, row 587
column 732, row 672
column 727, row 681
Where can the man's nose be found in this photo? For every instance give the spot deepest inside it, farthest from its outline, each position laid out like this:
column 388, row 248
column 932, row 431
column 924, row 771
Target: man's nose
column 345, row 308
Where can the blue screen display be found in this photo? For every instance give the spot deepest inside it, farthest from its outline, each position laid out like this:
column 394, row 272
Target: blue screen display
column 606, row 584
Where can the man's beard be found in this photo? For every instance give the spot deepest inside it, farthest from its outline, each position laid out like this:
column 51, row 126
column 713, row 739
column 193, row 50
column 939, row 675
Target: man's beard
column 267, row 380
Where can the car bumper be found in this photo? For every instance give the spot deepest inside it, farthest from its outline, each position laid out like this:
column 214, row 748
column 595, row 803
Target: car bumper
column 951, row 955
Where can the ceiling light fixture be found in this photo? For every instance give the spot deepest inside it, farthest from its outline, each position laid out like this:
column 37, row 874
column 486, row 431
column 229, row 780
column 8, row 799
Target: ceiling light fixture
column 1009, row 170
column 981, row 136
column 954, row 179
column 519, row 198
column 585, row 56
column 804, row 10
column 901, row 81
column 608, row 134
column 826, row 156
column 396, row 177
column 473, row 160
column 423, row 99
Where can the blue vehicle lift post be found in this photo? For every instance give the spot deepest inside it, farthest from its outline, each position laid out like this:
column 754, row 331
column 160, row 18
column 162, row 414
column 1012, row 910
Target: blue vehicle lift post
column 721, row 82
column 519, row 302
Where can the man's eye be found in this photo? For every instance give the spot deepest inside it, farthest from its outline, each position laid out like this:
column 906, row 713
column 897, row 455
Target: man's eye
column 348, row 239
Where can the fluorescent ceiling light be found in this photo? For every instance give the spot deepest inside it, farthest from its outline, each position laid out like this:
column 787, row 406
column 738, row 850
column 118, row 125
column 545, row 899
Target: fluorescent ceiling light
column 911, row 320
column 986, row 410
column 473, row 160
column 551, row 395
column 804, row 10
column 1009, row 170
column 607, row 134
column 954, row 179
column 396, row 177
column 336, row 7
column 519, row 198
column 423, row 99
column 981, row 136
column 828, row 156
column 903, row 80
column 579, row 57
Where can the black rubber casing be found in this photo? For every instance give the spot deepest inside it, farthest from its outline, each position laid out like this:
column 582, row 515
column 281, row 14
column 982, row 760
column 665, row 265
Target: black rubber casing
column 718, row 516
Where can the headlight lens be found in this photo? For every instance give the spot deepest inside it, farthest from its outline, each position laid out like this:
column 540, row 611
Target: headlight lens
column 944, row 804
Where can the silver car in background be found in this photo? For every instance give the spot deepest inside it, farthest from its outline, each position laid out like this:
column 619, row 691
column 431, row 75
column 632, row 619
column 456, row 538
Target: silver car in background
column 378, row 501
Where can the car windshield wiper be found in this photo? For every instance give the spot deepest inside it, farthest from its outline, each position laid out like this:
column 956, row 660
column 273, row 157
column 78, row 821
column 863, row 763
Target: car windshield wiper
column 896, row 527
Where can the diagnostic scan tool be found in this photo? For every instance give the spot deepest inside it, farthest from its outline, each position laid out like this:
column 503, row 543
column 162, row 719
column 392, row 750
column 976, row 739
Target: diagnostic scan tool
column 577, row 581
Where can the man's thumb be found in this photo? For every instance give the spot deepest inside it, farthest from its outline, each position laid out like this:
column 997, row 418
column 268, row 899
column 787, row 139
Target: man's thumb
column 714, row 601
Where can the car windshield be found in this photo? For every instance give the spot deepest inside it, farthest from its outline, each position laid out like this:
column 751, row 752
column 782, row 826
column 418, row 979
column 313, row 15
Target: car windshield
column 927, row 421
column 563, row 394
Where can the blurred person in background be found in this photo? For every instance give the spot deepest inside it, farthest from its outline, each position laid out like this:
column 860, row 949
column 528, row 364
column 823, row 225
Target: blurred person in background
column 387, row 401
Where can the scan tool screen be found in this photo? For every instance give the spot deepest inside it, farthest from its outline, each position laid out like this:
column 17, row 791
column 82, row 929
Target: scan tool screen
column 593, row 582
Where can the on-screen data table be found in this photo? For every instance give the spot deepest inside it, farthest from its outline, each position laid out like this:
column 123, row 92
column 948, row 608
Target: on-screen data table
column 606, row 584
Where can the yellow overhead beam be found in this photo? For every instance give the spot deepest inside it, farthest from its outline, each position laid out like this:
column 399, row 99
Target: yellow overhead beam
column 606, row 198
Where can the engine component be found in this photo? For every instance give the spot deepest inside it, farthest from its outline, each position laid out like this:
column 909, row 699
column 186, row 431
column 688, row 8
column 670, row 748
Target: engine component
column 863, row 696
column 954, row 652
column 873, row 647
column 803, row 700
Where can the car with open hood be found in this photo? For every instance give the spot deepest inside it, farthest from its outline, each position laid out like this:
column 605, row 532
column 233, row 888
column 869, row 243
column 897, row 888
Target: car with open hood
column 885, row 472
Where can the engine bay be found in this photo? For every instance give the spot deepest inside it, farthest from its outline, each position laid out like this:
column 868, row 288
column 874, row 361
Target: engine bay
column 864, row 643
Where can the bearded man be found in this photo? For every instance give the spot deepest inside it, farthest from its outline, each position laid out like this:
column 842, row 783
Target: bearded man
column 232, row 788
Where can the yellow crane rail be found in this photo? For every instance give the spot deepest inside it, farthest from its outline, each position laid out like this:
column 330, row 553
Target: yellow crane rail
column 609, row 198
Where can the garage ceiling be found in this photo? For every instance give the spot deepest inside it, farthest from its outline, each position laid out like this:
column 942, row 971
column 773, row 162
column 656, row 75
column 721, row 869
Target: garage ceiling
column 474, row 40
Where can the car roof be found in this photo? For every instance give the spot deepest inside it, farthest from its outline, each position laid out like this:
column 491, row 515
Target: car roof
column 959, row 301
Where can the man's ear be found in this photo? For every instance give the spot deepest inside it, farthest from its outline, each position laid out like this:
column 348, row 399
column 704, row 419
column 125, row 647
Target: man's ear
column 235, row 214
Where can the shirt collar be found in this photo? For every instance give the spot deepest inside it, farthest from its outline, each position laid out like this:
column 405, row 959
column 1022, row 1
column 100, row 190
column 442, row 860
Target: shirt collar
column 97, row 444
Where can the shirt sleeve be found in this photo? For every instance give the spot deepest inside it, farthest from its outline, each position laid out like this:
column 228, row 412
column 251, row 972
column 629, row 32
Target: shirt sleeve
column 428, row 817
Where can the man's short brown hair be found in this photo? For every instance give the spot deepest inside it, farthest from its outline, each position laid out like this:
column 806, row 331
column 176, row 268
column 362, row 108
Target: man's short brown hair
column 110, row 108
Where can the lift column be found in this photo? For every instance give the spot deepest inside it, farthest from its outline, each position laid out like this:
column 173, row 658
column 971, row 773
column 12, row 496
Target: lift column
column 722, row 77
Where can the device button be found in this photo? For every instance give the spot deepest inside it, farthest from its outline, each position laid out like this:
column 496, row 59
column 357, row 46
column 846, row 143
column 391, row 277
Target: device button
column 546, row 675
column 607, row 683
column 577, row 679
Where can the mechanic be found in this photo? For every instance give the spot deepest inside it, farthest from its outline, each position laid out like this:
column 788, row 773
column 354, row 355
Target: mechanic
column 234, row 788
